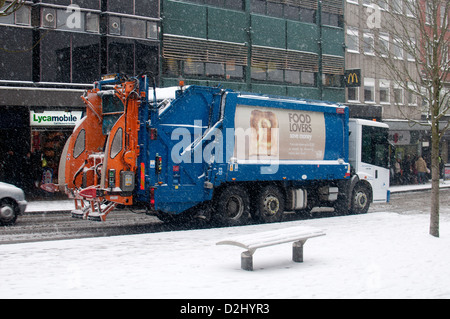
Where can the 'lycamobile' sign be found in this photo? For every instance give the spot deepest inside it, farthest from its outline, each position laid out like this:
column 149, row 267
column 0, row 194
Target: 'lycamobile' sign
column 54, row 118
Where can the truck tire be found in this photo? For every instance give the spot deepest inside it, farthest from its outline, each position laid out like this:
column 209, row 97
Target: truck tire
column 8, row 212
column 232, row 206
column 270, row 205
column 360, row 201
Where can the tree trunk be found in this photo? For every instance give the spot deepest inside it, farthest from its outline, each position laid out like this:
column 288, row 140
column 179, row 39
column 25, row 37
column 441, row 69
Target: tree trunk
column 434, row 214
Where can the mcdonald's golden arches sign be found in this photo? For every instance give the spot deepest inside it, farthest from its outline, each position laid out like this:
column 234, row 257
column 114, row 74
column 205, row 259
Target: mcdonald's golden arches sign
column 352, row 78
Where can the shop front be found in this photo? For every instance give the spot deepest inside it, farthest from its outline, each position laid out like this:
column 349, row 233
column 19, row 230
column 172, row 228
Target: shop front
column 49, row 133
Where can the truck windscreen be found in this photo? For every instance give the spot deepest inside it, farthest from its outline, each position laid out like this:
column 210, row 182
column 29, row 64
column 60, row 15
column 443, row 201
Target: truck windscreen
column 112, row 110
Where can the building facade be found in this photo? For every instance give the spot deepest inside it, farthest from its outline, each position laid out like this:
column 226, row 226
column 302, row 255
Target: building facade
column 282, row 47
column 51, row 52
column 373, row 33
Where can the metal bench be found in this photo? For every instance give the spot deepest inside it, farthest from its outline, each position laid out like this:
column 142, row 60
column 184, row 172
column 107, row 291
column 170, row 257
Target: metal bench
column 251, row 242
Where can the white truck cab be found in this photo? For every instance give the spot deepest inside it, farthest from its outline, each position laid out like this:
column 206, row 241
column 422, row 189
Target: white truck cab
column 369, row 155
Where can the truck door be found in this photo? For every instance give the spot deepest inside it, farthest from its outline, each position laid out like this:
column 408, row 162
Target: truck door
column 375, row 159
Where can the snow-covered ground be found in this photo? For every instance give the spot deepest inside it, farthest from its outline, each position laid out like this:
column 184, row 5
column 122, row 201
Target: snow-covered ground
column 377, row 255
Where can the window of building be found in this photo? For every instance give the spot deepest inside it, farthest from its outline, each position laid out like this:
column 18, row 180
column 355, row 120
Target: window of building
column 398, row 94
column 16, row 54
column 397, row 49
column 428, row 13
column 60, row 19
column 353, row 94
column 397, row 6
column 234, row 71
column 292, row 77
column 369, row 90
column 20, row 17
column 275, row 75
column 352, row 40
column 411, row 97
column 292, row 12
column 89, row 4
column 132, row 28
column 307, row 15
column 368, row 43
column 258, row 6
column 384, row 44
column 410, row 7
column 384, row 91
column 274, row 9
column 383, row 4
column 214, row 69
column 331, row 19
column 74, row 57
column 411, row 50
column 308, row 79
column 332, row 80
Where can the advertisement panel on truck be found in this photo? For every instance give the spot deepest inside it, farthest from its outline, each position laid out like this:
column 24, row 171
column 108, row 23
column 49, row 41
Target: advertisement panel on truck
column 284, row 134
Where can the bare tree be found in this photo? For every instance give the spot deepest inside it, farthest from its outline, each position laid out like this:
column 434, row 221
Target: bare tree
column 7, row 8
column 415, row 55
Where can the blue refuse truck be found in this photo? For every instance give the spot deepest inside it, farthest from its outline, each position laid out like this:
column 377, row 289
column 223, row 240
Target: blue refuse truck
column 228, row 156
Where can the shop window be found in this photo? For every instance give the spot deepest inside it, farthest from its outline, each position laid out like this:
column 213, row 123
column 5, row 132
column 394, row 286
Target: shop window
column 80, row 144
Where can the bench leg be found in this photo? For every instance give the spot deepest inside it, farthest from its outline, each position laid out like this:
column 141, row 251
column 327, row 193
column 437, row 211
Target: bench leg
column 247, row 260
column 297, row 251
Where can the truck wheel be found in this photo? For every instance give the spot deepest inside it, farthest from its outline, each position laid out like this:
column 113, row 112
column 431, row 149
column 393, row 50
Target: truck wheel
column 360, row 200
column 8, row 214
column 232, row 206
column 270, row 205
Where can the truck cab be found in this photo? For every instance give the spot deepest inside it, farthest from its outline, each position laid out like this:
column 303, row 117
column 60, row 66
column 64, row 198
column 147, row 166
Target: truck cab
column 369, row 156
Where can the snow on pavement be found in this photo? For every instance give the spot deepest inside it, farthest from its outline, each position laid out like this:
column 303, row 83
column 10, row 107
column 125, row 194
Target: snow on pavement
column 376, row 255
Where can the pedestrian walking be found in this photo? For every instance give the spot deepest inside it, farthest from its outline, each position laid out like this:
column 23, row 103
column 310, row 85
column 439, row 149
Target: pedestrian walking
column 421, row 167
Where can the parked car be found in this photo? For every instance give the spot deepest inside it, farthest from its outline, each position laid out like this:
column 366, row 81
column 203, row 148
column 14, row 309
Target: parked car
column 12, row 203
